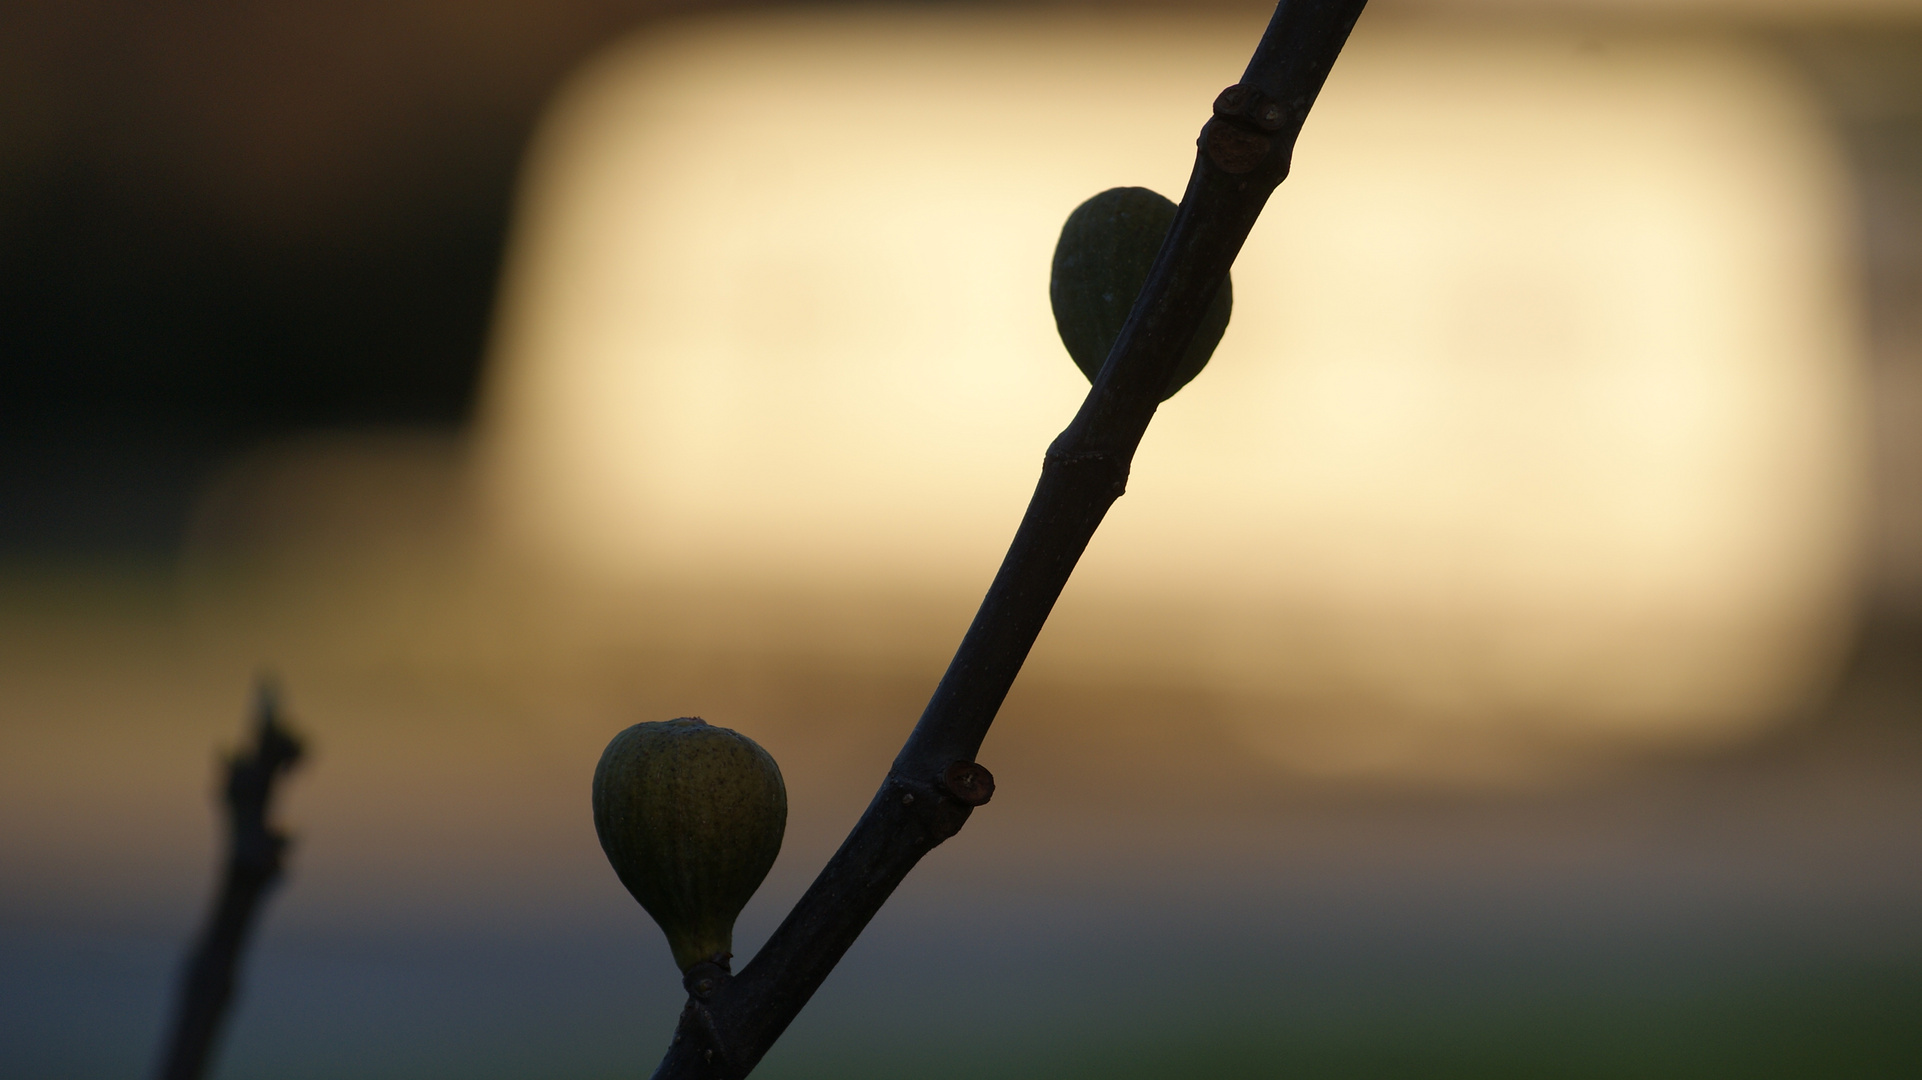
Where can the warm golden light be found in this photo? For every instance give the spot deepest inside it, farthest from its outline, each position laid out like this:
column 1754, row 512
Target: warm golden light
column 1538, row 418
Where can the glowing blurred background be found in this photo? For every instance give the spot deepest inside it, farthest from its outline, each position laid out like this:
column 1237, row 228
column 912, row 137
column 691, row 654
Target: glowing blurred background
column 1502, row 664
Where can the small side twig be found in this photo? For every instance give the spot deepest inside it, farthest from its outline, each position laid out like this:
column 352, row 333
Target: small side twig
column 256, row 855
column 1244, row 152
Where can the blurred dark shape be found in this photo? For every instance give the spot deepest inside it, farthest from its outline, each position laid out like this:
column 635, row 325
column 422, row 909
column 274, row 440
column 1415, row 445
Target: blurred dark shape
column 255, row 859
column 1870, row 79
column 225, row 221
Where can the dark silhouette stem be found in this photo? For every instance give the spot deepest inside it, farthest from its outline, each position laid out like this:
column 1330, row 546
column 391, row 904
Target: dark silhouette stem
column 1243, row 153
column 254, row 860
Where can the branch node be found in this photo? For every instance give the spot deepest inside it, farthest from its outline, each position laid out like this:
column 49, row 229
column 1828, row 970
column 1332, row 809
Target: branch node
column 1061, row 457
column 1251, row 105
column 1246, row 130
column 968, row 782
column 1233, row 149
column 940, row 811
column 706, row 978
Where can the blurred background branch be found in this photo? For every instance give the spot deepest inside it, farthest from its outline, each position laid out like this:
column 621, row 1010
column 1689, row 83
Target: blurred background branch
column 256, row 857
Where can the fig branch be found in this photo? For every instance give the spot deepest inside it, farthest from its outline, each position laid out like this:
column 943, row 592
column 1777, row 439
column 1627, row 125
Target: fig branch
column 1243, row 153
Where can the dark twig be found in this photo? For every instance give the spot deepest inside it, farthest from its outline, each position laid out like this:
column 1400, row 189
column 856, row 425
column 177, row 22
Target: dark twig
column 255, row 856
column 1244, row 152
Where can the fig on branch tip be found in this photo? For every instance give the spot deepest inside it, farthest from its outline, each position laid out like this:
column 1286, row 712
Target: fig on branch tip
column 1101, row 261
column 691, row 817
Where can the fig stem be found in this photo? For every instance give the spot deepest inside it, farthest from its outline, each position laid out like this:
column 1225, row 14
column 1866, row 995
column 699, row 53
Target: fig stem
column 1244, row 152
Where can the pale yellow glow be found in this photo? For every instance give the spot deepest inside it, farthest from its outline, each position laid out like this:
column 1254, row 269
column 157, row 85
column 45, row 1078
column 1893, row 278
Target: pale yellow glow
column 1539, row 410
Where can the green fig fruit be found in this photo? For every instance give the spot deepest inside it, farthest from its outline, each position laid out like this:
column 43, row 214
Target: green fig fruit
column 1100, row 263
column 691, row 816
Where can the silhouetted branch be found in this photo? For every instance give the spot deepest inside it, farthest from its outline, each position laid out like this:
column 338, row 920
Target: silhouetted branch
column 255, row 856
column 934, row 784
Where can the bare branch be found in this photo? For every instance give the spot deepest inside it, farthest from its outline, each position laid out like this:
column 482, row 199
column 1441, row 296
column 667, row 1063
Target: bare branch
column 255, row 856
column 934, row 784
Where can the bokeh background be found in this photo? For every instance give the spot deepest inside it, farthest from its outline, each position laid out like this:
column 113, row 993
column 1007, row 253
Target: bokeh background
column 319, row 342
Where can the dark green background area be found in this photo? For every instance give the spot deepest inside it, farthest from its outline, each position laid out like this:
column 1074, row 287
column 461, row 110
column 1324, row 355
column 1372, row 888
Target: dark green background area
column 1860, row 1024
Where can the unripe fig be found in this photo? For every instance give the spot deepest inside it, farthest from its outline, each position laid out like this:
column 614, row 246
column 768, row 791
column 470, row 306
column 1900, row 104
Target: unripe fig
column 691, row 816
column 1100, row 263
